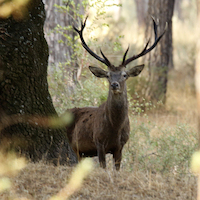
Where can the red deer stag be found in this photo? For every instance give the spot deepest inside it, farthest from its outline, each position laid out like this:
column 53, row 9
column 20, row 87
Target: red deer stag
column 97, row 131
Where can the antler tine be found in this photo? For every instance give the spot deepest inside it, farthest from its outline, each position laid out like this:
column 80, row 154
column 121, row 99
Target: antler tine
column 154, row 27
column 145, row 50
column 124, row 57
column 80, row 32
column 106, row 59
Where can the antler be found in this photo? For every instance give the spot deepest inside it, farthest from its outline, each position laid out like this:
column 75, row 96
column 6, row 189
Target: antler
column 145, row 50
column 105, row 60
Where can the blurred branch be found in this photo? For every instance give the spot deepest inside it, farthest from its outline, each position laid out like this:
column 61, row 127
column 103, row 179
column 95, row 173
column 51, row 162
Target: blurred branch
column 16, row 8
column 76, row 181
column 35, row 120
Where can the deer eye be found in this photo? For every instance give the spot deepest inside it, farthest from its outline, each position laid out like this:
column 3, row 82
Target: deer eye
column 125, row 75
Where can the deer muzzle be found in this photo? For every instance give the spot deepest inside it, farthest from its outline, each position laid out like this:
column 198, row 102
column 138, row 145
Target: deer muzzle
column 115, row 86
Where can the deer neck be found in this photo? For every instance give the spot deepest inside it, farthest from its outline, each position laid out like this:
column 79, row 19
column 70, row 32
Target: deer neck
column 117, row 107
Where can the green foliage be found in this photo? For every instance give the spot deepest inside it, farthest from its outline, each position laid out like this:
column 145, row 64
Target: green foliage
column 91, row 92
column 87, row 91
column 167, row 151
column 73, row 10
column 151, row 147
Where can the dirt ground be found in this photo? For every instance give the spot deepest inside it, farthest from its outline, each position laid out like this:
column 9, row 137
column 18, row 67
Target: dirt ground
column 40, row 181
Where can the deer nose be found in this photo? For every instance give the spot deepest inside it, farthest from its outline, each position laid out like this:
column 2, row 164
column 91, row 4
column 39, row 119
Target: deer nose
column 115, row 85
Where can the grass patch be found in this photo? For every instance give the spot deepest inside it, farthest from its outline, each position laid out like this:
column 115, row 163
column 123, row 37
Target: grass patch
column 160, row 149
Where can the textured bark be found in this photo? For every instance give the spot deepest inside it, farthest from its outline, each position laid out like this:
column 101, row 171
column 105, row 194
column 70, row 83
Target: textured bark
column 197, row 84
column 24, row 89
column 161, row 59
column 141, row 9
column 60, row 52
column 178, row 9
column 197, row 68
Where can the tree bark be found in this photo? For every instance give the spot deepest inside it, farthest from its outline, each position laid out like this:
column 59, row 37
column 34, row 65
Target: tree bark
column 24, row 89
column 197, row 84
column 63, row 52
column 197, row 68
column 160, row 59
column 178, row 9
column 141, row 10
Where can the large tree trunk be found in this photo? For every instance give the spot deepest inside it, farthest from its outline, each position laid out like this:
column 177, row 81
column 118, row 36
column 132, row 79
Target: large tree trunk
column 161, row 59
column 24, row 89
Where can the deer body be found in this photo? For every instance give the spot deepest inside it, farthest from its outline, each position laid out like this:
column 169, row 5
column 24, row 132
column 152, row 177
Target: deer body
column 97, row 131
column 95, row 134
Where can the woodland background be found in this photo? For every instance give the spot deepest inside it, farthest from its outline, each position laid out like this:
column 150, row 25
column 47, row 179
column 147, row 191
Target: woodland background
column 164, row 129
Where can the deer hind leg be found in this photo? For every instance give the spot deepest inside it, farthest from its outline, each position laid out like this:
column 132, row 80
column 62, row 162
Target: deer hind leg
column 101, row 156
column 117, row 156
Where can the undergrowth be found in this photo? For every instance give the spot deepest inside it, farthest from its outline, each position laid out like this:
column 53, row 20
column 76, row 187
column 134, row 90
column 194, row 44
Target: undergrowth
column 160, row 149
column 152, row 146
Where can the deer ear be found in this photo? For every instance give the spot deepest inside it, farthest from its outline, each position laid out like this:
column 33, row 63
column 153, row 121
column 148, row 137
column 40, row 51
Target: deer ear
column 98, row 72
column 135, row 71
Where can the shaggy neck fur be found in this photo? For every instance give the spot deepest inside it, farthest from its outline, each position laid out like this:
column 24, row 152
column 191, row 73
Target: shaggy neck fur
column 117, row 108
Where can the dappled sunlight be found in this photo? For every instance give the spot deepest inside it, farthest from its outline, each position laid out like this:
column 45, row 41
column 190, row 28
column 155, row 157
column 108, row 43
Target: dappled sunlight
column 10, row 166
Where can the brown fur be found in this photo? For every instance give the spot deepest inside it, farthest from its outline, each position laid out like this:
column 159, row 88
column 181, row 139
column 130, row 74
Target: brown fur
column 97, row 131
column 102, row 130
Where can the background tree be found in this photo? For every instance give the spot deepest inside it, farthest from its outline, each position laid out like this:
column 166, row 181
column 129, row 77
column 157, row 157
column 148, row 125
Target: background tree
column 196, row 156
column 60, row 17
column 197, row 75
column 161, row 59
column 141, row 9
column 25, row 102
column 178, row 9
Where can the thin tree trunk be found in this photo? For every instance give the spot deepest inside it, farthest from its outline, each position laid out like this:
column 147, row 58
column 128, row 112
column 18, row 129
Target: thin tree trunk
column 141, row 10
column 197, row 83
column 24, row 90
column 197, row 68
column 161, row 59
column 178, row 9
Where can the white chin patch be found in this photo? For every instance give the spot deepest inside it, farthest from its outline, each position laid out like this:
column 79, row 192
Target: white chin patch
column 116, row 91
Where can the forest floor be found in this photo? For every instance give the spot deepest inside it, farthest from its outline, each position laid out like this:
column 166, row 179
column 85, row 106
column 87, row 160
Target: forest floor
column 155, row 165
column 40, row 181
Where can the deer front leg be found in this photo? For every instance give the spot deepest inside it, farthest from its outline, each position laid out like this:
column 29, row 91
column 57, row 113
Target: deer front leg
column 101, row 156
column 117, row 156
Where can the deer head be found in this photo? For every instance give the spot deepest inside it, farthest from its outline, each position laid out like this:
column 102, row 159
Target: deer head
column 118, row 75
